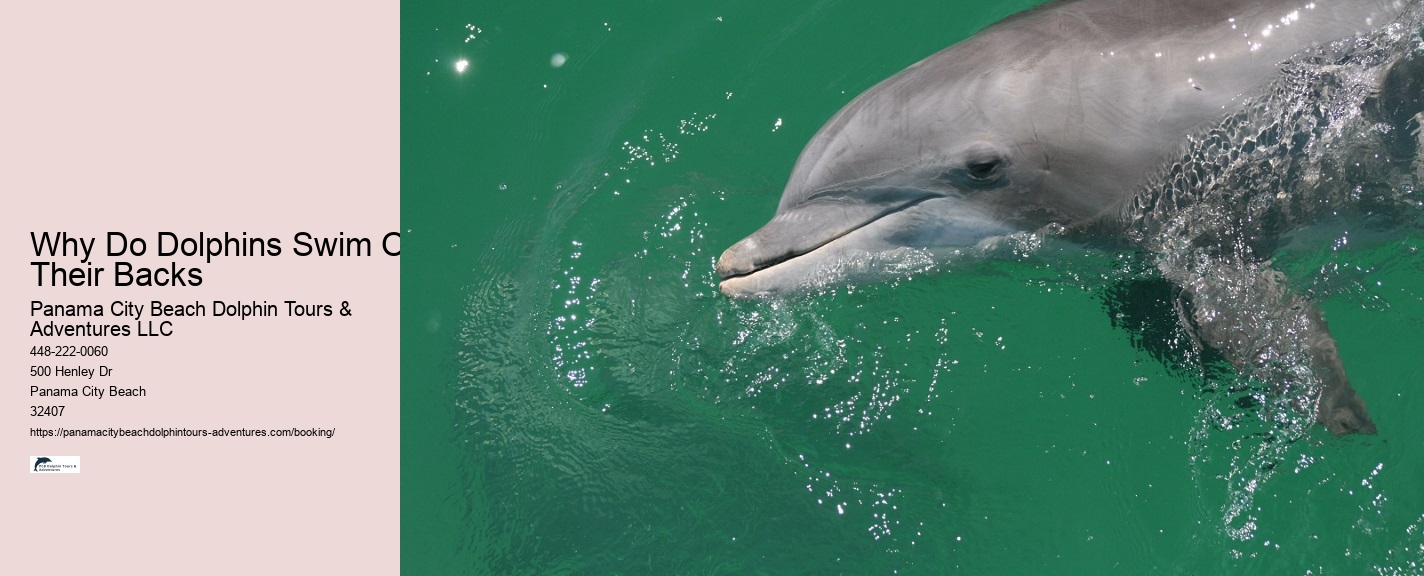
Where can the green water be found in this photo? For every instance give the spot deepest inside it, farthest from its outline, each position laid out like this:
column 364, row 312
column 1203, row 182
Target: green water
column 578, row 399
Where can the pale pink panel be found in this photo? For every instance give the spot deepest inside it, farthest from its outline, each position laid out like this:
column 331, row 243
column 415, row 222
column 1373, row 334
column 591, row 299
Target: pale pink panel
column 269, row 118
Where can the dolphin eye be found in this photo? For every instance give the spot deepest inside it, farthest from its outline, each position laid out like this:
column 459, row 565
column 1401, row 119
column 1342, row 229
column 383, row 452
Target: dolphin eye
column 983, row 170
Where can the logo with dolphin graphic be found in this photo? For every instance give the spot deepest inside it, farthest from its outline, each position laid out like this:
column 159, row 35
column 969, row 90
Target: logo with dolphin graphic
column 54, row 464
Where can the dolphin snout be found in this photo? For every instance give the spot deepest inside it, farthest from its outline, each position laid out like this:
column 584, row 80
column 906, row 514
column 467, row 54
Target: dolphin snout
column 744, row 266
column 783, row 238
column 806, row 227
column 739, row 259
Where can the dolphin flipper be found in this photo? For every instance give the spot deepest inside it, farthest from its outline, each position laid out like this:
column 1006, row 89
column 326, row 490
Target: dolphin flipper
column 1399, row 103
column 1245, row 311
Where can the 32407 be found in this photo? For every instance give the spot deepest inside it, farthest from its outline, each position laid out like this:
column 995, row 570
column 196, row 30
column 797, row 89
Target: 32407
column 46, row 410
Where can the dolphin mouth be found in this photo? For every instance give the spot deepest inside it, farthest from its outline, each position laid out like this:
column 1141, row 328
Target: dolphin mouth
column 800, row 232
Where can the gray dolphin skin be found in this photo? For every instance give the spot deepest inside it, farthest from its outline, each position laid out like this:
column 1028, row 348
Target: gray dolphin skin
column 1195, row 130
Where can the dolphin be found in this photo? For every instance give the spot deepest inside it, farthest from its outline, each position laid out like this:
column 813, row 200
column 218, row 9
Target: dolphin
column 1161, row 125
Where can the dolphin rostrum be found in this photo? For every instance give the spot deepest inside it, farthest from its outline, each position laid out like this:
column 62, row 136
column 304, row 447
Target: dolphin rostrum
column 1197, row 130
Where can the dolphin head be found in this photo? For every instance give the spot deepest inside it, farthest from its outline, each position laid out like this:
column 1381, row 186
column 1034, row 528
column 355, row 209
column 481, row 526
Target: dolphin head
column 1049, row 117
column 953, row 152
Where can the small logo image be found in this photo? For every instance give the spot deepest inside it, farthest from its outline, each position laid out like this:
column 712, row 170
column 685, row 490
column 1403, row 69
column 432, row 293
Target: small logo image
column 54, row 464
